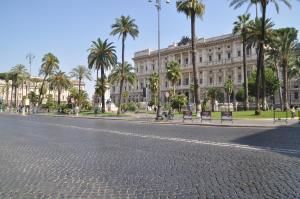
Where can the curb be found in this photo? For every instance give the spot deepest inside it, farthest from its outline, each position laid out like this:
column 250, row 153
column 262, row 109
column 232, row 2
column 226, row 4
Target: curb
column 143, row 120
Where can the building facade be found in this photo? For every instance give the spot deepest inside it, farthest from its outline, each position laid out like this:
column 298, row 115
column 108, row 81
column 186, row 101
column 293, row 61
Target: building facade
column 217, row 60
column 26, row 88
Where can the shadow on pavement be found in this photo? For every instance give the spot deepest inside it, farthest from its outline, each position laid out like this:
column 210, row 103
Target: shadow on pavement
column 287, row 138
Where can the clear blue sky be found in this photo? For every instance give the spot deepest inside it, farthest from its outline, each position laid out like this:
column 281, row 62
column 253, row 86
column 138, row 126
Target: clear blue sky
column 67, row 27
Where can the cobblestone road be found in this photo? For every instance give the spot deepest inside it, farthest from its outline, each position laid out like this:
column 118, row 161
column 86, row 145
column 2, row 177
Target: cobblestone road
column 45, row 157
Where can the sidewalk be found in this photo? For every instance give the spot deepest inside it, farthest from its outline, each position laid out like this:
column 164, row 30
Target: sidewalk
column 150, row 118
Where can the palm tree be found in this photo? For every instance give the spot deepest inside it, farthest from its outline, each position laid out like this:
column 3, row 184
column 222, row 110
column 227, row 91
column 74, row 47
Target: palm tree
column 154, row 85
column 19, row 72
column 6, row 86
column 173, row 73
column 102, row 56
column 212, row 94
column 59, row 81
column 293, row 72
column 81, row 72
column 241, row 27
column 228, row 87
column 123, row 27
column 50, row 64
column 286, row 44
column 129, row 74
column 193, row 9
column 261, row 69
column 253, row 41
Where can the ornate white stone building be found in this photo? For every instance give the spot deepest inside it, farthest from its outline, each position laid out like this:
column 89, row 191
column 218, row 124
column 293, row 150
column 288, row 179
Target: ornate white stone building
column 27, row 87
column 217, row 60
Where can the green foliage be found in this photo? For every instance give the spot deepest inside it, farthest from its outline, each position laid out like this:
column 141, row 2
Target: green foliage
column 177, row 101
column 228, row 86
column 240, row 95
column 184, row 41
column 33, row 98
column 130, row 106
column 272, row 83
column 173, row 72
column 154, row 85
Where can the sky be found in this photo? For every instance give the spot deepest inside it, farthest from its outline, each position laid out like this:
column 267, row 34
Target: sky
column 67, row 27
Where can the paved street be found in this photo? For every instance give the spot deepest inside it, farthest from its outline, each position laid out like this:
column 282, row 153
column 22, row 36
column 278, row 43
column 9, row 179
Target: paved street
column 50, row 157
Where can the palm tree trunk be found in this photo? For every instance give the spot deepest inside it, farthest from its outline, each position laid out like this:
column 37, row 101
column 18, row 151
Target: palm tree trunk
column 193, row 32
column 22, row 89
column 58, row 99
column 11, row 94
column 246, row 100
column 280, row 89
column 174, row 90
column 16, row 102
column 41, row 91
column 79, row 85
column 262, row 57
column 285, row 84
column 228, row 97
column 103, row 89
column 122, row 74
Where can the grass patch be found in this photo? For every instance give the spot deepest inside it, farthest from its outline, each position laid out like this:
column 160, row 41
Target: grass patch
column 106, row 114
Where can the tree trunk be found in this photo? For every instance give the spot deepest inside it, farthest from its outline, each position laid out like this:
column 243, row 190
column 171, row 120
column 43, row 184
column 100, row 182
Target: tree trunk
column 16, row 102
column 122, row 74
column 11, row 94
column 262, row 65
column 41, row 91
column 79, row 85
column 280, row 89
column 103, row 89
column 285, row 84
column 193, row 32
column 246, row 100
column 228, row 97
column 58, row 99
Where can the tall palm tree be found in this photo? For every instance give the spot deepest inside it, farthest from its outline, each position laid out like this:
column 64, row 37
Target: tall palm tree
column 286, row 44
column 293, row 72
column 193, row 9
column 19, row 72
column 50, row 64
column 129, row 74
column 80, row 73
column 59, row 81
column 173, row 73
column 123, row 27
column 254, row 40
column 154, row 85
column 241, row 27
column 102, row 56
column 263, row 4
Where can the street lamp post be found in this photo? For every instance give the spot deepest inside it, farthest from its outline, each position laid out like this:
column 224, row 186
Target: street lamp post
column 158, row 6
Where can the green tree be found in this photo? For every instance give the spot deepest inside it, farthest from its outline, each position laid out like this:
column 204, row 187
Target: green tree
column 50, row 64
column 253, row 40
column 59, row 81
column 241, row 27
column 184, row 41
column 272, row 83
column 261, row 69
column 286, row 39
column 212, row 95
column 154, row 85
column 228, row 87
column 177, row 101
column 173, row 73
column 102, row 56
column 81, row 97
column 193, row 9
column 19, row 71
column 123, row 27
column 80, row 73
column 33, row 98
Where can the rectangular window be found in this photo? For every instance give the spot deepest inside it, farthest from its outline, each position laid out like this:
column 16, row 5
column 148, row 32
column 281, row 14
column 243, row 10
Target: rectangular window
column 210, row 58
column 239, row 53
column 220, row 79
column 146, row 68
column 296, row 95
column 179, row 61
column 153, row 67
column 229, row 55
column 200, row 59
column 239, row 78
column 201, row 81
column 166, row 85
column 210, row 80
column 186, row 81
column 186, row 61
column 219, row 56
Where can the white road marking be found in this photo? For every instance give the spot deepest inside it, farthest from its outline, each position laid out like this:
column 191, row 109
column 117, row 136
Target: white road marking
column 174, row 139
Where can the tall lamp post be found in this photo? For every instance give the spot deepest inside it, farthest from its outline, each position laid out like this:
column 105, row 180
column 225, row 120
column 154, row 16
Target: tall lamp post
column 158, row 7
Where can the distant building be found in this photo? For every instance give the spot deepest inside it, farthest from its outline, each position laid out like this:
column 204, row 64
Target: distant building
column 217, row 60
column 27, row 87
